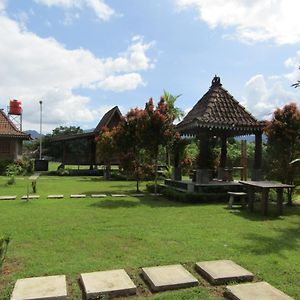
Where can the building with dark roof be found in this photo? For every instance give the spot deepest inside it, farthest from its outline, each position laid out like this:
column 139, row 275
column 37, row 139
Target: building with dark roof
column 110, row 119
column 218, row 114
column 11, row 139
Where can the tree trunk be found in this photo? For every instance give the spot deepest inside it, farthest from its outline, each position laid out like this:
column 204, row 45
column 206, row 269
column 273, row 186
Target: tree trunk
column 290, row 195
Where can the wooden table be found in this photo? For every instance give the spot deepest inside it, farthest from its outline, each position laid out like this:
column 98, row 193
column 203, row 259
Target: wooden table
column 264, row 187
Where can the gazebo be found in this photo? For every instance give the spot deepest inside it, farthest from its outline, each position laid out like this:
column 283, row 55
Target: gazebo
column 218, row 114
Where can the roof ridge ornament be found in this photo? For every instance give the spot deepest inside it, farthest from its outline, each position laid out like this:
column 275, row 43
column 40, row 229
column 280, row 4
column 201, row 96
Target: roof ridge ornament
column 216, row 81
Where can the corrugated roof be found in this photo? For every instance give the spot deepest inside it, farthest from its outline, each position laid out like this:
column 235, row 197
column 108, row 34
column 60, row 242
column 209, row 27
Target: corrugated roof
column 218, row 109
column 8, row 129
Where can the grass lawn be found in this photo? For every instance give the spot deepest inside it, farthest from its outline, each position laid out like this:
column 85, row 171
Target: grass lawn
column 72, row 236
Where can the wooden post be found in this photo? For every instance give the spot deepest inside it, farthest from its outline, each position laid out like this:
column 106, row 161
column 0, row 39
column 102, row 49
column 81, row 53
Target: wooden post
column 64, row 156
column 223, row 158
column 256, row 172
column 92, row 153
column 177, row 169
column 244, row 171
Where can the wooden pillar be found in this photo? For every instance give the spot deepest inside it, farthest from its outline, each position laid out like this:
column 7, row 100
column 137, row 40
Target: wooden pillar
column 265, row 201
column 223, row 159
column 244, row 171
column 251, row 196
column 204, row 172
column 257, row 172
column 92, row 153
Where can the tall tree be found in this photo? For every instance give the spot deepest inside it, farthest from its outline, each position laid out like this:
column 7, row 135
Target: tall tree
column 175, row 113
column 106, row 148
column 129, row 142
column 158, row 130
column 283, row 145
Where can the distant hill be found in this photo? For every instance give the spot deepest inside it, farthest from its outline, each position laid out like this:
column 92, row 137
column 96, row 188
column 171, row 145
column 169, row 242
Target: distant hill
column 34, row 134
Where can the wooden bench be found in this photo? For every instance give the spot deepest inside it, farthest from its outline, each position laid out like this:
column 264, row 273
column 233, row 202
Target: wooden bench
column 233, row 195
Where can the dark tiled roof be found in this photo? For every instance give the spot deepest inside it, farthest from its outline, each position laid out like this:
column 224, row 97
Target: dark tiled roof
column 8, row 129
column 218, row 110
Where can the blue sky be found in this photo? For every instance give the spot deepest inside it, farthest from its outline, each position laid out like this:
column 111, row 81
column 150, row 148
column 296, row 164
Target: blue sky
column 82, row 57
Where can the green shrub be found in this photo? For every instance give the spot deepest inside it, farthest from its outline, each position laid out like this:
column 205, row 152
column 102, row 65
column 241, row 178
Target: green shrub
column 3, row 166
column 4, row 241
column 19, row 167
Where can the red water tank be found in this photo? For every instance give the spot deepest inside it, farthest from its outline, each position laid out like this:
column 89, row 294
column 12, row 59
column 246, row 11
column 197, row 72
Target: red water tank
column 15, row 107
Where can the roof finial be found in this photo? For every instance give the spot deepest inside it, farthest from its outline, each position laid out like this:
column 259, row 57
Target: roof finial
column 216, row 81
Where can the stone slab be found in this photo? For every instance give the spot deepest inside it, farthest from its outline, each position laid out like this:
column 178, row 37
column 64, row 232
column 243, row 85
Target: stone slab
column 257, row 290
column 8, row 197
column 98, row 195
column 137, row 195
column 55, row 196
column 30, row 197
column 118, row 195
column 170, row 277
column 38, row 288
column 157, row 194
column 77, row 196
column 223, row 271
column 107, row 283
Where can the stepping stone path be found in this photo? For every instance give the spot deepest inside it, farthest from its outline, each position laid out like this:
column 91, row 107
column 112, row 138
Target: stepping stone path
column 118, row 195
column 168, row 277
column 30, row 197
column 50, row 287
column 98, row 195
column 8, row 197
column 55, row 196
column 257, row 290
column 78, row 196
column 107, row 283
column 223, row 271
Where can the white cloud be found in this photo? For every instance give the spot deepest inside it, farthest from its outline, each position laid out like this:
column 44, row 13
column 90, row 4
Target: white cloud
column 35, row 68
column 253, row 21
column 100, row 8
column 263, row 95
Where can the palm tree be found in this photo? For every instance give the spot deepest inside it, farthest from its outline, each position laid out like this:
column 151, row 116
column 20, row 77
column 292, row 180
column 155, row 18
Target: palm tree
column 175, row 113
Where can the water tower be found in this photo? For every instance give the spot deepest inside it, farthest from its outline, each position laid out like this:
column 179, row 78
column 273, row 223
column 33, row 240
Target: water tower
column 15, row 113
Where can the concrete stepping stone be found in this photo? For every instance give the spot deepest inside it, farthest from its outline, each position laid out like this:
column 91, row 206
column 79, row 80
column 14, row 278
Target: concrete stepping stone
column 77, row 196
column 36, row 288
column 168, row 277
column 223, row 271
column 118, row 195
column 137, row 195
column 30, row 197
column 107, row 283
column 153, row 194
column 55, row 196
column 257, row 290
column 98, row 195
column 8, row 197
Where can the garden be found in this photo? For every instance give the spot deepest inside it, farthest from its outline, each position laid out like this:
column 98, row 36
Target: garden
column 72, row 236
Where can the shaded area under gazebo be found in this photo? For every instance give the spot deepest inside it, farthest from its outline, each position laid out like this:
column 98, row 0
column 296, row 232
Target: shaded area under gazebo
column 218, row 115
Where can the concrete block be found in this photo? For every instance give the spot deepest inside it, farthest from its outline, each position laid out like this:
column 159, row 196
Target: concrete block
column 30, row 197
column 118, row 195
column 55, row 196
column 257, row 290
column 168, row 277
column 137, row 195
column 98, row 195
column 107, row 283
column 77, row 196
column 8, row 197
column 38, row 288
column 223, row 271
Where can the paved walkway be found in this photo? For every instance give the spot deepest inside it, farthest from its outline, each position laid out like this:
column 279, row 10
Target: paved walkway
column 115, row 283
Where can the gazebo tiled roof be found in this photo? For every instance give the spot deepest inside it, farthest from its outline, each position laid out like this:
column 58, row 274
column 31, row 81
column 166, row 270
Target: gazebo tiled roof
column 218, row 111
column 9, row 130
